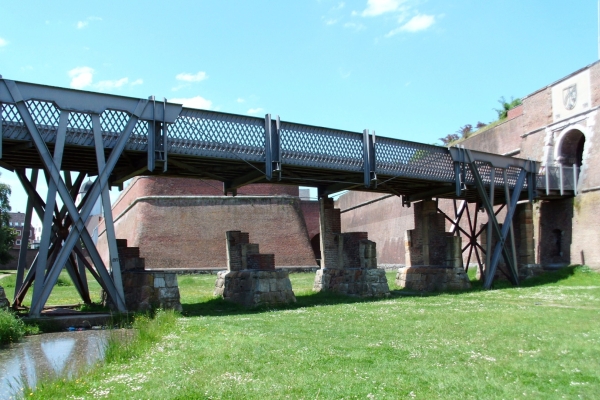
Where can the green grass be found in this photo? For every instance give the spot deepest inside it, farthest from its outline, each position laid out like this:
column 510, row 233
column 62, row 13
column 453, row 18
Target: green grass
column 12, row 329
column 63, row 293
column 541, row 340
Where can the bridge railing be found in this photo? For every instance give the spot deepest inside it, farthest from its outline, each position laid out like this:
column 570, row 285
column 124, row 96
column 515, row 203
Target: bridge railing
column 220, row 135
column 558, row 178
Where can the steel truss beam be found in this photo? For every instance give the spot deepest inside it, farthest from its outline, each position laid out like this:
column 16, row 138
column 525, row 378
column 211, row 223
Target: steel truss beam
column 61, row 256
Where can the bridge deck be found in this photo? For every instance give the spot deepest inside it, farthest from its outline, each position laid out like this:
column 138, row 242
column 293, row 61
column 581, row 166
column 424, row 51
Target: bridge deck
column 232, row 148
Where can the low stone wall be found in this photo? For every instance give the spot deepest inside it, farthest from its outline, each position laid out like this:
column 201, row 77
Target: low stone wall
column 252, row 288
column 4, row 303
column 361, row 282
column 433, row 279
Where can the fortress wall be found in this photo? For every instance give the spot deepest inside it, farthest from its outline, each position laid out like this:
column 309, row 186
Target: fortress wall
column 386, row 222
column 190, row 232
column 585, row 246
column 537, row 110
column 501, row 139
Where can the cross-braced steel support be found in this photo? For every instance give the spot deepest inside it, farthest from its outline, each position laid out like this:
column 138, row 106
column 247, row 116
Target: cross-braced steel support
column 468, row 169
column 62, row 232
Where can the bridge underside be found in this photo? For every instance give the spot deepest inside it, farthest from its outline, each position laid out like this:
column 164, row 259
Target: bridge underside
column 235, row 173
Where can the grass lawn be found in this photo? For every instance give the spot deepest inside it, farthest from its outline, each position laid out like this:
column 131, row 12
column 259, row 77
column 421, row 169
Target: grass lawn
column 541, row 340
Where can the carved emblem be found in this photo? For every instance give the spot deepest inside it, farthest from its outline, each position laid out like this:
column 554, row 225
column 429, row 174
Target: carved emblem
column 570, row 97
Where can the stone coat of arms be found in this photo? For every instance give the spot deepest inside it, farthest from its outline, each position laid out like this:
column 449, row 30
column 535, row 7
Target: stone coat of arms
column 570, row 97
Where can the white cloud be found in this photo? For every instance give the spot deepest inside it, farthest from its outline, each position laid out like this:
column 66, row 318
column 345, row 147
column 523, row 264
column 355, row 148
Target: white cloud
column 331, row 21
column 194, row 102
column 137, row 82
column 108, row 84
column 417, row 23
column 3, row 42
column 355, row 26
column 81, row 77
column 200, row 76
column 254, row 110
column 240, row 100
column 86, row 22
column 378, row 7
column 340, row 5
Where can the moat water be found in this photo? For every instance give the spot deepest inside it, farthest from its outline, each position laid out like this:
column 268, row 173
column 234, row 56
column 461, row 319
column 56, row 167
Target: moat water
column 49, row 356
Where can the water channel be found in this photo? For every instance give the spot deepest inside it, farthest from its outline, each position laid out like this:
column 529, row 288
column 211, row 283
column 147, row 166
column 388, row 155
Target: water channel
column 49, row 356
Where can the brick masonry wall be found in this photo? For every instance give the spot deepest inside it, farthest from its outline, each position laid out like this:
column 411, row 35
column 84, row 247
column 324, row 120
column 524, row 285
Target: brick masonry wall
column 190, row 233
column 500, row 139
column 385, row 221
column 585, row 245
column 12, row 264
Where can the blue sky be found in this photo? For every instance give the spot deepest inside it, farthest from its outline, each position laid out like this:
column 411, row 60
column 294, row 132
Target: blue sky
column 410, row 69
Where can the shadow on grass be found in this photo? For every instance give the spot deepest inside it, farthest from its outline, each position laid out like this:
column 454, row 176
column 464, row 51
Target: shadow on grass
column 221, row 307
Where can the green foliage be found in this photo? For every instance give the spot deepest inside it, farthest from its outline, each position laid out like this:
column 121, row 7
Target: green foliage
column 506, row 106
column 7, row 234
column 448, row 139
column 11, row 328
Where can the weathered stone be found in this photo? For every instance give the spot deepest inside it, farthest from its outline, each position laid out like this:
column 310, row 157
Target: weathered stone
column 4, row 303
column 352, row 281
column 252, row 288
column 432, row 278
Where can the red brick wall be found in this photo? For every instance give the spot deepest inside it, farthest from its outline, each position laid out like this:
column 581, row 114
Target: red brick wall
column 190, row 233
column 385, row 221
column 537, row 110
column 500, row 139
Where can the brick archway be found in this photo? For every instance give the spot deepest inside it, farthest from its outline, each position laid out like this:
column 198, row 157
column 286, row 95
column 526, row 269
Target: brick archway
column 570, row 146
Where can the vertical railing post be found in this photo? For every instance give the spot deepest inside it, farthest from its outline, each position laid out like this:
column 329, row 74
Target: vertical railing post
column 547, row 178
column 575, row 179
column 560, row 179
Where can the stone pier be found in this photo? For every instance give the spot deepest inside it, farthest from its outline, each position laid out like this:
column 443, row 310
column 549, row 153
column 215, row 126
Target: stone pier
column 251, row 279
column 145, row 290
column 4, row 303
column 433, row 256
column 348, row 260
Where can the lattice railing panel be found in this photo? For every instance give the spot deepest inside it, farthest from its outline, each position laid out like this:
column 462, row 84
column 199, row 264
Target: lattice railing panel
column 46, row 116
column 208, row 134
column 79, row 129
column 12, row 123
column 402, row 158
column 138, row 140
column 312, row 146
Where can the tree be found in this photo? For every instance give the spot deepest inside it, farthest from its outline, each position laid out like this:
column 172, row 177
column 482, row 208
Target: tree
column 452, row 137
column 465, row 131
column 480, row 125
column 7, row 234
column 506, row 105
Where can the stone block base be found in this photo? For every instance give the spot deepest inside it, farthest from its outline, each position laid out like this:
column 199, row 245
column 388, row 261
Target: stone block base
column 252, row 288
column 361, row 282
column 4, row 303
column 432, row 279
column 148, row 290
